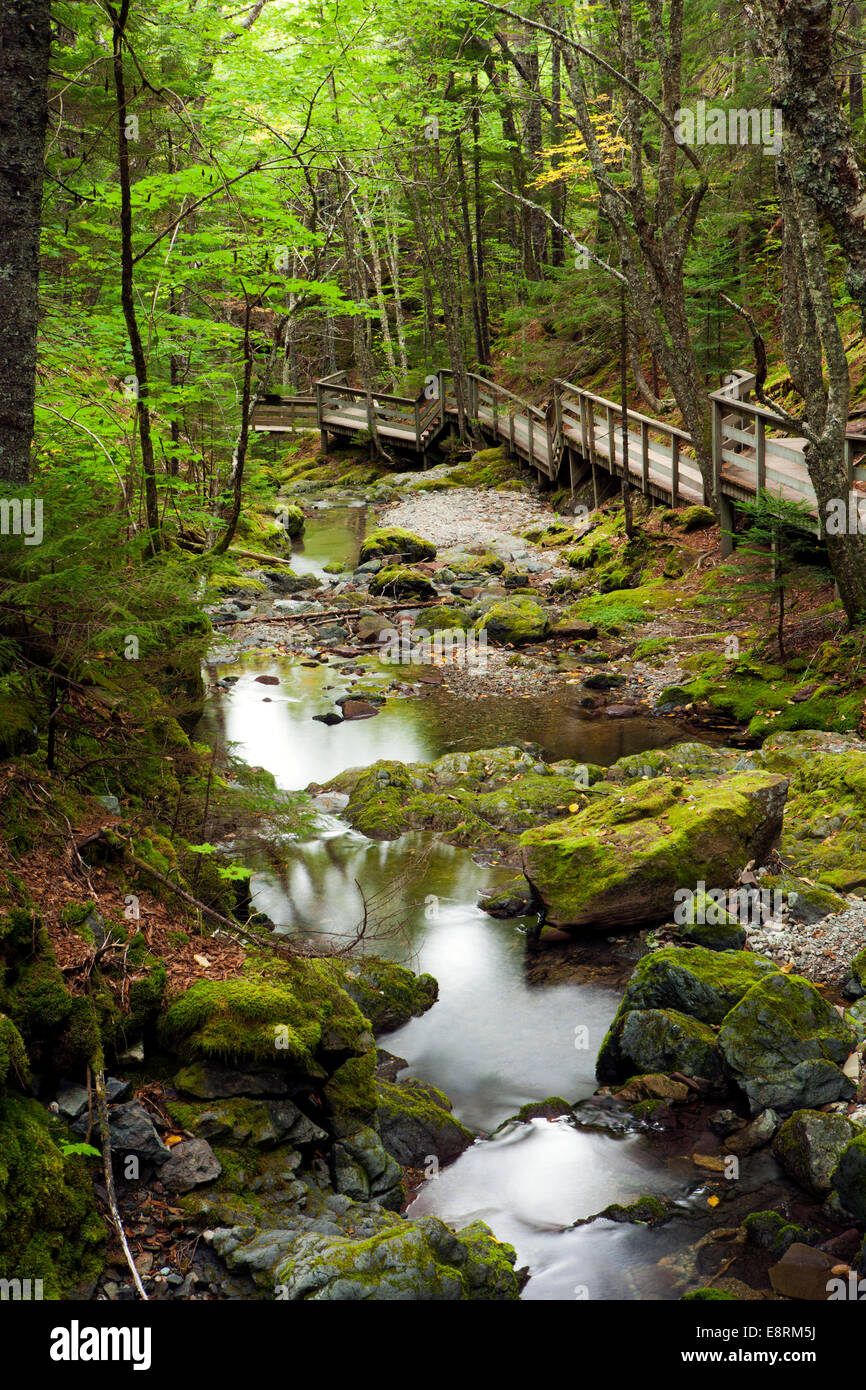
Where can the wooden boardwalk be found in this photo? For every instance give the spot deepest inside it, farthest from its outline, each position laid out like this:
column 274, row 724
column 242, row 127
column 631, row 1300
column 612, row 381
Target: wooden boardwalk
column 579, row 435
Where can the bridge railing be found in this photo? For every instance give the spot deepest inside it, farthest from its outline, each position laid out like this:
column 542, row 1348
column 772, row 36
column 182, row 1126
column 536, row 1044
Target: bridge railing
column 284, row 415
column 753, row 451
column 408, row 418
column 659, row 455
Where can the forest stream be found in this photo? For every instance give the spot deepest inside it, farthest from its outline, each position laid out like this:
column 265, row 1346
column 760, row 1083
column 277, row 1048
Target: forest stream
column 502, row 1034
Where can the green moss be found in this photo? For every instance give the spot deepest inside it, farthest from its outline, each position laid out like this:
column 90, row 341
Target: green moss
column 654, row 837
column 514, row 621
column 400, row 581
column 14, row 1066
column 297, row 1018
column 773, row 1232
column 708, row 1296
column 49, row 1225
column 393, row 540
column 419, row 1261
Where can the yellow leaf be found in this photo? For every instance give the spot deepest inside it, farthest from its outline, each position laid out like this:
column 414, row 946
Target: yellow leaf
column 713, row 1201
column 574, row 807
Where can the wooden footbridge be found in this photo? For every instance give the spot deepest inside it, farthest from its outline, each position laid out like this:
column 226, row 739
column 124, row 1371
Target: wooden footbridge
column 578, row 436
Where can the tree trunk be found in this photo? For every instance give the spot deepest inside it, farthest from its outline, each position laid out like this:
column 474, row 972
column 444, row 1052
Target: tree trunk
column 127, row 286
column 24, row 52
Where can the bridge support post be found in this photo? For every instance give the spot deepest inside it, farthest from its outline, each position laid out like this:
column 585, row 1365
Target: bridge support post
column 595, row 501
column 323, row 441
column 726, row 525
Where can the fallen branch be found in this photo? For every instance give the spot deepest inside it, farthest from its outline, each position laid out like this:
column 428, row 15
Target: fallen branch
column 337, row 613
column 104, row 1130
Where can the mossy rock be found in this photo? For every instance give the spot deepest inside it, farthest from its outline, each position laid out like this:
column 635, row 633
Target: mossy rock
column 784, row 1046
column 515, row 621
column 771, row 1231
column 809, row 1146
column 447, row 617
column 696, row 982
column 487, row 563
column 660, row 1040
column 849, row 1179
column 291, row 518
column 400, row 581
column 49, row 1225
column 393, row 540
column 299, row 1020
column 387, row 994
column 417, row 1261
column 619, row 862
column 416, row 1124
column 695, row 518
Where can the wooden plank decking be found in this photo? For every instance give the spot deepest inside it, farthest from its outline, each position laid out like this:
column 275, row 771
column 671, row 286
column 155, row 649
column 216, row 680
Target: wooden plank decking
column 751, row 453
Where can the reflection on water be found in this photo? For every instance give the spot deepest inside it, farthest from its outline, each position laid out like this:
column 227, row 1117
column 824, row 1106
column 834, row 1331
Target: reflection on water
column 330, row 534
column 492, row 1042
column 273, row 726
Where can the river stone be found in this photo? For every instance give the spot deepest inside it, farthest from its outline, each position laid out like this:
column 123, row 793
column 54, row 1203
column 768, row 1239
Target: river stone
column 418, row 1261
column 363, row 1170
column 191, row 1164
column 696, row 982
column 386, row 993
column 849, row 1179
column 514, row 621
column 209, row 1081
column 359, row 709
column 809, row 1146
column 784, row 1046
column 132, row 1131
column 660, row 1040
column 755, row 1136
column 619, row 862
column 803, row 1273
column 393, row 540
column 416, row 1125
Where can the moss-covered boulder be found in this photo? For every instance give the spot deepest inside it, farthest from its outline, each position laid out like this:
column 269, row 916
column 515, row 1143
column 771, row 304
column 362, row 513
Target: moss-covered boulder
column 393, row 540
column 696, row 982
column 809, row 1146
column 444, row 618
column 482, row 799
column 660, row 1040
column 769, row 1230
column 784, row 1046
column 849, row 1179
column 514, row 622
column 399, row 581
column 416, row 1124
column 387, row 994
column 291, row 518
column 619, row 862
column 420, row 1261
column 297, row 1021
column 49, row 1225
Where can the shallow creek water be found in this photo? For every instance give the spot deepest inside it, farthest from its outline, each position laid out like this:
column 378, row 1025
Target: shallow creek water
column 496, row 1038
